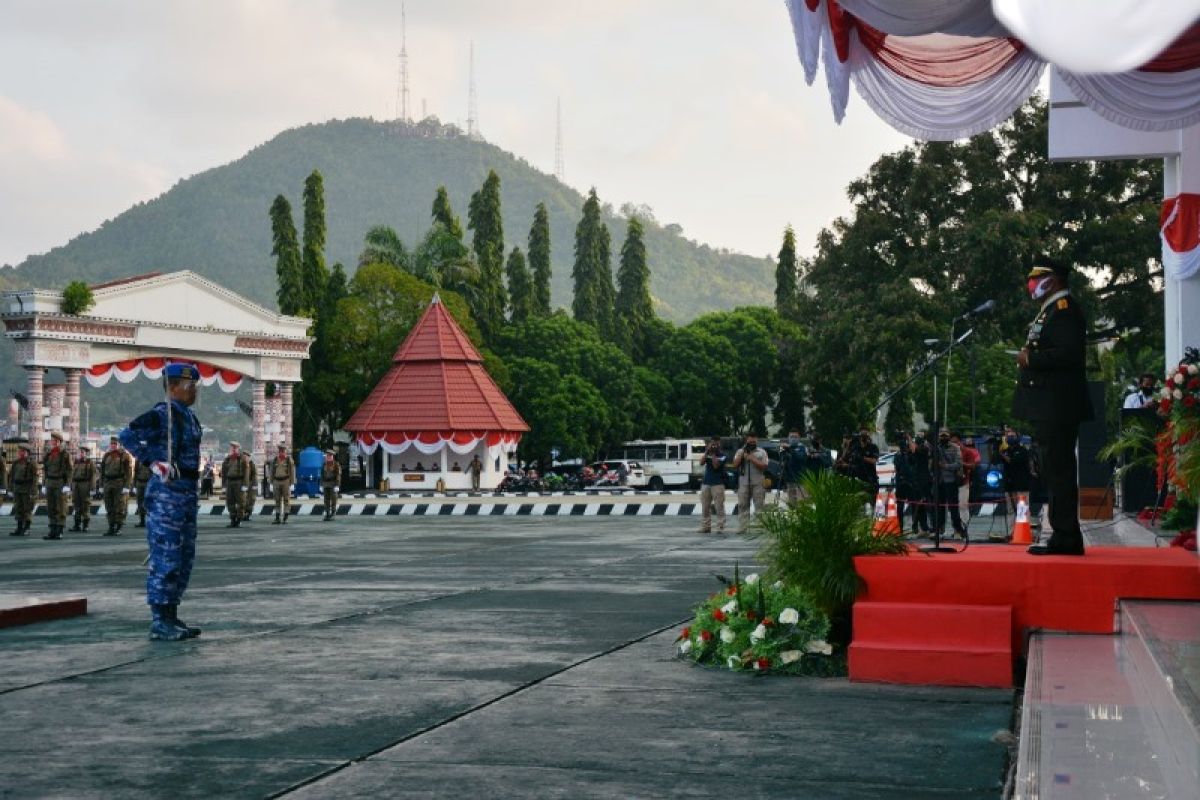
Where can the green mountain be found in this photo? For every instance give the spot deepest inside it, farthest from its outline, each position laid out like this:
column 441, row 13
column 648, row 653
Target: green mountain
column 216, row 223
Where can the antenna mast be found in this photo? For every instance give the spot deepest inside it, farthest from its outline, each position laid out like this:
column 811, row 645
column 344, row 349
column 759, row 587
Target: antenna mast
column 402, row 89
column 558, row 143
column 472, row 102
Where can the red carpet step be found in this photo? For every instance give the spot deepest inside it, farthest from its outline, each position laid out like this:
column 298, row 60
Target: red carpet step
column 24, row 609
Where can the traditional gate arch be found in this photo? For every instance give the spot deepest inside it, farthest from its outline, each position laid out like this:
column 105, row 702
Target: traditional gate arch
column 140, row 324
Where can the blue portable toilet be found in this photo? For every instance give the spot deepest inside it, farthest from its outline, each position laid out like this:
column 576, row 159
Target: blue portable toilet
column 308, row 471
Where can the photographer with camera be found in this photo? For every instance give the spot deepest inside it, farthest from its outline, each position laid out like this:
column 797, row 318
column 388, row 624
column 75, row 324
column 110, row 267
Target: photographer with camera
column 751, row 464
column 794, row 457
column 921, row 496
column 712, row 490
column 950, row 472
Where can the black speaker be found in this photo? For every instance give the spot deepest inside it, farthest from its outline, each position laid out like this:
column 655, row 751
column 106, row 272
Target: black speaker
column 1093, row 474
column 1139, row 485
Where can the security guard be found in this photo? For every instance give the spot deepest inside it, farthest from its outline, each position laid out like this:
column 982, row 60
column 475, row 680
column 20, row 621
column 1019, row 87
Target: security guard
column 1052, row 393
column 251, row 489
column 23, row 483
column 83, row 485
column 234, row 471
column 331, row 479
column 282, row 472
column 116, row 470
column 141, row 478
column 56, row 471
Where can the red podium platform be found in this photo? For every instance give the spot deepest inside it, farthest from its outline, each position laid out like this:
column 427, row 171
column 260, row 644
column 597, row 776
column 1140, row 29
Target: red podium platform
column 26, row 609
column 941, row 619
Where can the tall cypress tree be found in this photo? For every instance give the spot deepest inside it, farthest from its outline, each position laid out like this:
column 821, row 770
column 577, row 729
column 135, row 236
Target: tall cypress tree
column 539, row 261
column 286, row 249
column 443, row 213
column 592, row 274
column 786, row 274
column 315, row 276
column 520, row 289
column 634, row 309
column 483, row 218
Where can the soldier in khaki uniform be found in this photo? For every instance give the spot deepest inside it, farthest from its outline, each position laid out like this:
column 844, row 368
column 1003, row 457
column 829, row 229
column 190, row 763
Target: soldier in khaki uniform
column 331, row 480
column 56, row 471
column 251, row 489
column 282, row 472
column 83, row 485
column 23, row 483
column 141, row 479
column 116, row 470
column 235, row 469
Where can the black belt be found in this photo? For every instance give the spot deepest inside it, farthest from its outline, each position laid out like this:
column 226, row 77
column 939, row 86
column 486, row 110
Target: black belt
column 188, row 474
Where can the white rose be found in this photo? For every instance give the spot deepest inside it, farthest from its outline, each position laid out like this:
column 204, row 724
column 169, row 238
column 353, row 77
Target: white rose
column 752, row 579
column 789, row 616
column 685, row 647
column 756, row 666
column 777, row 585
column 1193, row 369
column 1177, row 394
column 789, row 656
column 759, row 633
column 731, row 662
column 729, row 607
column 819, row 646
column 1178, row 379
column 727, row 634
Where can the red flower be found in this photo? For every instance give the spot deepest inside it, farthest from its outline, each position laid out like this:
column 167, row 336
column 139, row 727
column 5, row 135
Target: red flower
column 763, row 664
column 1189, row 401
column 750, row 614
column 1165, row 406
column 1194, row 383
column 706, row 636
column 768, row 621
column 685, row 633
column 719, row 615
column 731, row 591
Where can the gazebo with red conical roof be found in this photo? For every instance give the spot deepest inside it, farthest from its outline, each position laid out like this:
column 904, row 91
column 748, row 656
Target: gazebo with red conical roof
column 435, row 409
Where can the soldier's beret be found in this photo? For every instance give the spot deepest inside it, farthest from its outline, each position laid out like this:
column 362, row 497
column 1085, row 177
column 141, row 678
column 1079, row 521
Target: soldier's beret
column 56, row 435
column 114, row 439
column 234, row 444
column 25, row 447
column 186, row 372
column 329, row 453
column 83, row 448
column 282, row 446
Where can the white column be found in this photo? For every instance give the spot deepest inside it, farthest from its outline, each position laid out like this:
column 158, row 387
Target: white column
column 1181, row 299
column 55, row 395
column 285, row 414
column 34, row 386
column 73, row 406
column 258, row 423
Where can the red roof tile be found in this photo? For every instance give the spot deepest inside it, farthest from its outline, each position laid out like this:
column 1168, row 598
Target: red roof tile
column 437, row 383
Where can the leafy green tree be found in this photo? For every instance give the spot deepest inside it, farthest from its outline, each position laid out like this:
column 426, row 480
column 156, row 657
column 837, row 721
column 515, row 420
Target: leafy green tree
column 698, row 366
column 315, row 275
column 483, row 218
column 445, row 262
column 443, row 213
column 77, row 298
column 539, row 260
column 321, row 398
column 382, row 245
column 286, row 249
column 786, row 274
column 592, row 273
column 564, row 412
column 520, row 290
column 634, row 308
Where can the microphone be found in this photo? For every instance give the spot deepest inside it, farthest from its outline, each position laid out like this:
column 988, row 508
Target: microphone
column 984, row 308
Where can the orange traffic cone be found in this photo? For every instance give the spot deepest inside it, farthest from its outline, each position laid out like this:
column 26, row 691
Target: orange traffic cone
column 880, row 504
column 890, row 524
column 1022, row 530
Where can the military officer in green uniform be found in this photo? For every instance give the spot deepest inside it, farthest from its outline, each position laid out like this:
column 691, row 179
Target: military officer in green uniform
column 23, row 483
column 83, row 485
column 251, row 489
column 141, row 479
column 235, row 469
column 56, row 471
column 1052, row 393
column 116, row 470
column 282, row 472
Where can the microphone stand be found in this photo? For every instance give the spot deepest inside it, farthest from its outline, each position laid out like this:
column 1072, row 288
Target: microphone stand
column 929, row 364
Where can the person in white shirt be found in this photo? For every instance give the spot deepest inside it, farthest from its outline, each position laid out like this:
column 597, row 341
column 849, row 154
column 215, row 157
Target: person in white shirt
column 1144, row 396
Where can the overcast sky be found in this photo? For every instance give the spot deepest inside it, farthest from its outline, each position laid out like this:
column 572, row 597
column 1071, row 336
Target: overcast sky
column 697, row 108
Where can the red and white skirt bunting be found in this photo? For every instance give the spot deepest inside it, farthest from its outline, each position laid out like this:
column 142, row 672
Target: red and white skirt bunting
column 126, row 371
column 430, row 442
column 1180, row 231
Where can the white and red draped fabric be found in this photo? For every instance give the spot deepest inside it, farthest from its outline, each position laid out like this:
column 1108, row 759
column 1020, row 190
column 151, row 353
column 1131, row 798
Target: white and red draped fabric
column 1180, row 230
column 948, row 69
column 127, row 371
column 430, row 442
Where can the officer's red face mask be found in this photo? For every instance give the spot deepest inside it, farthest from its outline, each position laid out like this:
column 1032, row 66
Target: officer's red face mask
column 1038, row 286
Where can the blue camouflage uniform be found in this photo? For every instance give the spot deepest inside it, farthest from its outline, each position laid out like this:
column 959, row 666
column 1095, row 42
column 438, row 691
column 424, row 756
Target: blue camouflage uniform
column 171, row 505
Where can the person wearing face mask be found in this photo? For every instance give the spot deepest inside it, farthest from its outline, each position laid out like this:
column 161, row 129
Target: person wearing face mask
column 1018, row 477
column 1052, row 393
column 1143, row 397
column 750, row 463
column 949, row 469
column 794, row 456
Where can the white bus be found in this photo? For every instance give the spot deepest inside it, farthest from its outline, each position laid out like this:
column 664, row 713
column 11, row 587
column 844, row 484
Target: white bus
column 668, row 463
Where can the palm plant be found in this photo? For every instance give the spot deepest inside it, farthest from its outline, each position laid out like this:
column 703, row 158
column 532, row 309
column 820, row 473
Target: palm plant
column 811, row 544
column 382, row 245
column 1135, row 446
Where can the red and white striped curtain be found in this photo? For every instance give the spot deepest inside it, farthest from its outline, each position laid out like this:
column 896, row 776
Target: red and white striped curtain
column 430, row 442
column 1180, row 230
column 949, row 69
column 126, row 371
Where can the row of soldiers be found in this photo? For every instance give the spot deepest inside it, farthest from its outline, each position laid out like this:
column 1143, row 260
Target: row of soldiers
column 239, row 478
column 80, row 477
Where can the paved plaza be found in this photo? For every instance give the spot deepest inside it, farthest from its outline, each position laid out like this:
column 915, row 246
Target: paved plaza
column 444, row 657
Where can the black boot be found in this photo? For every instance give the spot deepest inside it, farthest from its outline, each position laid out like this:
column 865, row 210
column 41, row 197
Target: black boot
column 86, row 520
column 117, row 528
column 111, row 529
column 162, row 626
column 55, row 533
column 173, row 617
column 76, row 528
column 141, row 523
column 276, row 522
column 19, row 530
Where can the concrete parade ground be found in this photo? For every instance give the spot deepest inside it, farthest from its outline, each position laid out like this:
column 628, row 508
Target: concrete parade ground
column 448, row 656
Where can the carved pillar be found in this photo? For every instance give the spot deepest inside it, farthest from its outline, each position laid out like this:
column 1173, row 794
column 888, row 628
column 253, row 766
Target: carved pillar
column 73, row 406
column 33, row 391
column 285, row 414
column 275, row 429
column 258, row 423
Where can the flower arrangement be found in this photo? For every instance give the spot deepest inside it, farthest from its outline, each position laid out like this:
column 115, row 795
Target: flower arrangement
column 753, row 626
column 1179, row 444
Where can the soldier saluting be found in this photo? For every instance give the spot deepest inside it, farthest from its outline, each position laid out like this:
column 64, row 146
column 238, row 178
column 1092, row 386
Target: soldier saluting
column 1052, row 394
